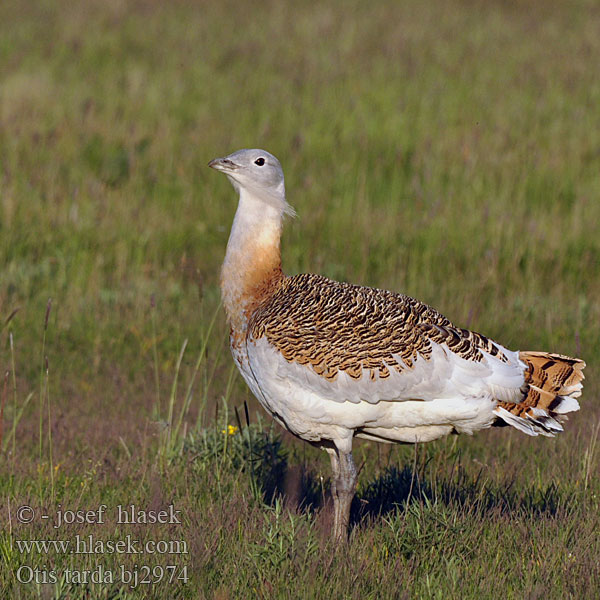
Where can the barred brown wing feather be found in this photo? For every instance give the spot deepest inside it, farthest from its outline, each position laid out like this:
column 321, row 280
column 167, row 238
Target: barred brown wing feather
column 392, row 346
column 335, row 326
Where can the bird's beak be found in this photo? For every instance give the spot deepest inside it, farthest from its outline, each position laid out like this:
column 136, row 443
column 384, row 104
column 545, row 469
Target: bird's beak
column 223, row 164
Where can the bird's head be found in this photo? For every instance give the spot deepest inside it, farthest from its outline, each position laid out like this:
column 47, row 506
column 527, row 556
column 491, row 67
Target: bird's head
column 257, row 173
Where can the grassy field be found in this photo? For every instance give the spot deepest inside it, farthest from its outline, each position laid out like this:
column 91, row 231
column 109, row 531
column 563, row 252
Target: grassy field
column 448, row 150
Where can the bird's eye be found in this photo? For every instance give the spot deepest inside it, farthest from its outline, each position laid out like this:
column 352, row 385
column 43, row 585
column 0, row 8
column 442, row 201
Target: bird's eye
column 259, row 161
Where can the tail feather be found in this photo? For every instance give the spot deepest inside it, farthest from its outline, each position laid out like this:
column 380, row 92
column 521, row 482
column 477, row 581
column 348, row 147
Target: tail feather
column 552, row 384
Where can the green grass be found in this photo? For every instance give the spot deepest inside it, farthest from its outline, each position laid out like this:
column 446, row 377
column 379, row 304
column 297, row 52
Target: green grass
column 446, row 150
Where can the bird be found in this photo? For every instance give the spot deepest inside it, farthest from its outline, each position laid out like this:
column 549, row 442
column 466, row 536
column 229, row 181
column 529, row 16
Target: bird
column 331, row 361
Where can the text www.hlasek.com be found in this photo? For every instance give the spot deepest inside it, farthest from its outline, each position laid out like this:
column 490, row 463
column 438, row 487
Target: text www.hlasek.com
column 90, row 545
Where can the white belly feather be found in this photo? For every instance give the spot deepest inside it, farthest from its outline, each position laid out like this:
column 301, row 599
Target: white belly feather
column 424, row 402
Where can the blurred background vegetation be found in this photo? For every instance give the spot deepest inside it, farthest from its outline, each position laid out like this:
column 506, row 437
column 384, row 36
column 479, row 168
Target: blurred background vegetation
column 447, row 150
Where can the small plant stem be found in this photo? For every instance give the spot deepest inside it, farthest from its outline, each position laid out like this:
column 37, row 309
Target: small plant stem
column 14, row 382
column 201, row 356
column 47, row 386
column 2, row 403
column 155, row 353
column 41, row 432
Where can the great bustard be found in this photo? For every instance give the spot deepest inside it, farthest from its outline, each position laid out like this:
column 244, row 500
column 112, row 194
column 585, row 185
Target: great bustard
column 330, row 361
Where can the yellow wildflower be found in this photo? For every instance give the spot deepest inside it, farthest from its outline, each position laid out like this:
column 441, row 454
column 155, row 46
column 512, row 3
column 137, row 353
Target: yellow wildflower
column 231, row 430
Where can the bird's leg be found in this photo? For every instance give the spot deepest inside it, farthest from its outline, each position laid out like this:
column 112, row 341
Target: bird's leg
column 343, row 486
column 335, row 469
column 345, row 489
